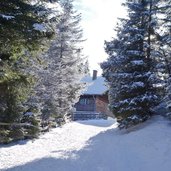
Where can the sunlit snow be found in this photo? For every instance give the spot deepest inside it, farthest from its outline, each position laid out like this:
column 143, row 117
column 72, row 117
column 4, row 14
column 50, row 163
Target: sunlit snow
column 95, row 145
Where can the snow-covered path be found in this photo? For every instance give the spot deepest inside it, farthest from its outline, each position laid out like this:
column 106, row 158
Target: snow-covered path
column 93, row 146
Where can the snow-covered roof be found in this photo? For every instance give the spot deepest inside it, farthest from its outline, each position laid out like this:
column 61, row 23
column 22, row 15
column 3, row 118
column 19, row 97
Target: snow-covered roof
column 94, row 87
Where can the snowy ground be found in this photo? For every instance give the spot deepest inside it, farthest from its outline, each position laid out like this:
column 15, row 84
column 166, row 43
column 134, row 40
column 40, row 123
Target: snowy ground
column 93, row 146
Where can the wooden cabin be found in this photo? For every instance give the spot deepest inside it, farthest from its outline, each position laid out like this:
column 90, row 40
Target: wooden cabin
column 93, row 103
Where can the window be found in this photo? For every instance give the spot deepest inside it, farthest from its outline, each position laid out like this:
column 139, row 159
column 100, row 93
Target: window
column 85, row 101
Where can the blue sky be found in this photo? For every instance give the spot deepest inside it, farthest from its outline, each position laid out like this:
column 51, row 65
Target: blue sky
column 99, row 18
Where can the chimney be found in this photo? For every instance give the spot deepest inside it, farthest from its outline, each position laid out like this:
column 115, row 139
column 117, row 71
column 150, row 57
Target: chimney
column 94, row 75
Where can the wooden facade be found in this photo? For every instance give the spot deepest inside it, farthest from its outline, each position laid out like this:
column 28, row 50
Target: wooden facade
column 91, row 107
column 86, row 103
column 93, row 103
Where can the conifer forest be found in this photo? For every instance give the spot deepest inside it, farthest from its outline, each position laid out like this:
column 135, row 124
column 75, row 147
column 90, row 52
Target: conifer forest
column 42, row 64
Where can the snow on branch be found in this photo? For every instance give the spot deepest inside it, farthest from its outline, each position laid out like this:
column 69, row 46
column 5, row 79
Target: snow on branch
column 137, row 62
column 39, row 27
column 135, row 52
column 137, row 84
column 16, row 124
column 7, row 17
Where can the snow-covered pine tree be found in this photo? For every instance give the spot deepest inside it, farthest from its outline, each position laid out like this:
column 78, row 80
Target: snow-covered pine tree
column 60, row 85
column 38, row 67
column 159, row 43
column 164, row 46
column 24, row 27
column 128, row 69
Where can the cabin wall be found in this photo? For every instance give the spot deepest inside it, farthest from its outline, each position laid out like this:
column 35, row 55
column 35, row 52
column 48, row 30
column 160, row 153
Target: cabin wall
column 86, row 103
column 102, row 105
column 93, row 104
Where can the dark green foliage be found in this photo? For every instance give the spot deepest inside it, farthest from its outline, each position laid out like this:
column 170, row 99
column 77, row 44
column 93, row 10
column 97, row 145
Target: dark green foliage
column 130, row 66
column 4, row 136
column 16, row 133
column 19, row 41
column 33, row 128
column 26, row 30
column 18, row 32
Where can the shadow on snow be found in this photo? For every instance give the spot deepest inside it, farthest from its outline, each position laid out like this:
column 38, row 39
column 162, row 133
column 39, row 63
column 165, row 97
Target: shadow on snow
column 97, row 123
column 110, row 151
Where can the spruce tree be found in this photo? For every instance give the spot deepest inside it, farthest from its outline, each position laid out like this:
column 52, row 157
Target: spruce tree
column 60, row 86
column 129, row 68
column 24, row 28
column 164, row 46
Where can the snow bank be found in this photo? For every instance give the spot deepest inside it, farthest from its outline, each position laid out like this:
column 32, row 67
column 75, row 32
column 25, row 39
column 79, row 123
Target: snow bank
column 60, row 143
column 95, row 145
